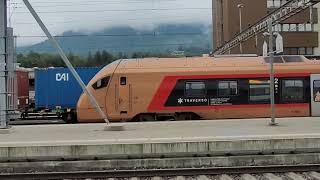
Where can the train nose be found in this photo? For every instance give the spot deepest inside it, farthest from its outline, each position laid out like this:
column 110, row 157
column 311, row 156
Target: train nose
column 85, row 111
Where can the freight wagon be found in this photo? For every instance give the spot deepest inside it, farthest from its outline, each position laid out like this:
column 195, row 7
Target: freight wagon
column 23, row 89
column 57, row 91
column 202, row 88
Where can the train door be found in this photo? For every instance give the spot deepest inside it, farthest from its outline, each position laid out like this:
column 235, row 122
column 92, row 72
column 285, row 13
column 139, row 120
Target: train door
column 124, row 95
column 315, row 95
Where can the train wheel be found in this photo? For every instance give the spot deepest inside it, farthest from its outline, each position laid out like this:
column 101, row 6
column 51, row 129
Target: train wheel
column 186, row 116
column 23, row 115
column 69, row 118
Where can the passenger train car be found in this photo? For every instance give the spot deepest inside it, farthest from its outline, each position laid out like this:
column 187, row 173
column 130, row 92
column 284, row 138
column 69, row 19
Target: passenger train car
column 202, row 88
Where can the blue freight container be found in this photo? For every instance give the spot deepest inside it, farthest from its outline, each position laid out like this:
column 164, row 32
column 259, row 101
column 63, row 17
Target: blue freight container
column 56, row 87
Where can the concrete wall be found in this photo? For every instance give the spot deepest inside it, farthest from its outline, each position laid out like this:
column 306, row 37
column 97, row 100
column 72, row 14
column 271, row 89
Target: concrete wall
column 160, row 163
column 156, row 150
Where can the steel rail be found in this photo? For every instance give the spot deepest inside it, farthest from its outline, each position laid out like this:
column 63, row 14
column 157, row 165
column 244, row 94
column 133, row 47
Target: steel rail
column 164, row 172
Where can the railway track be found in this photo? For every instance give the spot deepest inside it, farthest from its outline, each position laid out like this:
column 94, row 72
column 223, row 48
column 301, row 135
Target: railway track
column 301, row 172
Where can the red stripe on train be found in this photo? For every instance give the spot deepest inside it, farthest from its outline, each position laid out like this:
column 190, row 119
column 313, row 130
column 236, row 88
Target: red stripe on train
column 169, row 82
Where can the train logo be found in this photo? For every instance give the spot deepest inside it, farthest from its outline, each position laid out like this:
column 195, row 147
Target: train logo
column 199, row 101
column 62, row 77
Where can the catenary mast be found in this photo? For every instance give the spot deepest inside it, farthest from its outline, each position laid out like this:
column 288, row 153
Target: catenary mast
column 3, row 83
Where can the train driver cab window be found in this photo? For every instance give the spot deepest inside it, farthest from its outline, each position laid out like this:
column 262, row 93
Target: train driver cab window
column 195, row 89
column 259, row 90
column 292, row 90
column 228, row 88
column 101, row 83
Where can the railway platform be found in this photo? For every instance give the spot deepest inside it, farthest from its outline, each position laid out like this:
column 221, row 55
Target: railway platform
column 187, row 144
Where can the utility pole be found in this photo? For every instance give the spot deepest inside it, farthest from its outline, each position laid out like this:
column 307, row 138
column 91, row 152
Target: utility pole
column 3, row 81
column 271, row 54
column 240, row 6
column 213, row 22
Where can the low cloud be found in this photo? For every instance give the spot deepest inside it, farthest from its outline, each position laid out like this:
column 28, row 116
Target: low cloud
column 91, row 16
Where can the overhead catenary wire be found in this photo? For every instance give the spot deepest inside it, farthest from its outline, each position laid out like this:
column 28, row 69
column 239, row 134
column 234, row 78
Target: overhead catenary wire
column 114, row 10
column 189, row 44
column 109, row 20
column 109, row 35
column 94, row 1
column 81, row 3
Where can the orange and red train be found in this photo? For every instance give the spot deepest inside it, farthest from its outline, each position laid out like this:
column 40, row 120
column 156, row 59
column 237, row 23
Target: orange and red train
column 202, row 88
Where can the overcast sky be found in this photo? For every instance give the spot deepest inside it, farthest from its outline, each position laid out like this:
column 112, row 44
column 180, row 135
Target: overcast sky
column 94, row 15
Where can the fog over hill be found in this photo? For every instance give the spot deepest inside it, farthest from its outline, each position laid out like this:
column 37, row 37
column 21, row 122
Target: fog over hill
column 160, row 39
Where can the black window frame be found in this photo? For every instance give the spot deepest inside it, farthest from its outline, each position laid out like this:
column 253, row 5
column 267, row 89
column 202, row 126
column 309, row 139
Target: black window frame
column 196, row 96
column 283, row 90
column 123, row 80
column 230, row 95
column 104, row 83
column 316, row 89
column 249, row 91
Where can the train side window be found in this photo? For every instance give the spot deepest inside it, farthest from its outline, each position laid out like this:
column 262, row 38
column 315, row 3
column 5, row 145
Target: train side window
column 228, row 88
column 259, row 90
column 101, row 83
column 292, row 90
column 316, row 91
column 195, row 89
column 123, row 81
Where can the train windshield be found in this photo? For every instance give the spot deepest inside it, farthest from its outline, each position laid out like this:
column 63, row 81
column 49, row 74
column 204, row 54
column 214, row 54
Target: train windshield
column 101, row 83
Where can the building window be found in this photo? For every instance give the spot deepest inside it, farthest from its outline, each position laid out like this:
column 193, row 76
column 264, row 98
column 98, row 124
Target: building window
column 195, row 89
column 227, row 88
column 308, row 27
column 302, row 51
column 259, row 90
column 309, row 51
column 293, row 27
column 277, row 3
column 278, row 27
column 273, row 3
column 270, row 3
column 285, row 27
column 301, row 27
column 292, row 90
column 296, row 27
